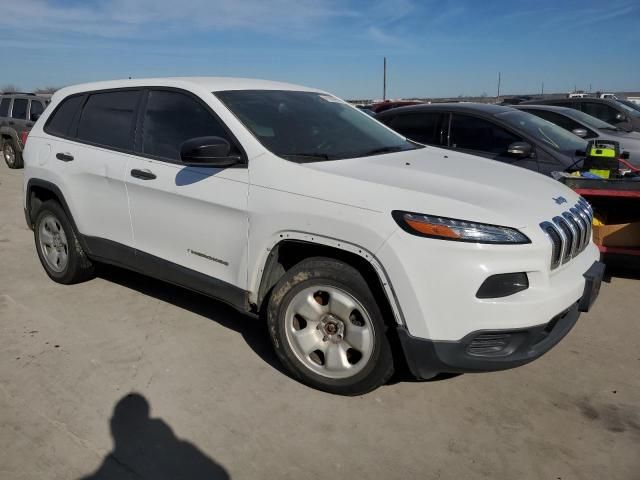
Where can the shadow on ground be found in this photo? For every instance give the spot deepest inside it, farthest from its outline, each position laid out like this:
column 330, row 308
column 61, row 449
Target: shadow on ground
column 147, row 448
column 254, row 331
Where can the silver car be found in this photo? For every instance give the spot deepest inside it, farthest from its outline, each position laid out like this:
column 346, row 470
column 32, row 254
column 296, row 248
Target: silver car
column 588, row 127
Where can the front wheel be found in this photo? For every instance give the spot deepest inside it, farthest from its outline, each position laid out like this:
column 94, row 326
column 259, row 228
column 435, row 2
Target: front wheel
column 12, row 156
column 327, row 328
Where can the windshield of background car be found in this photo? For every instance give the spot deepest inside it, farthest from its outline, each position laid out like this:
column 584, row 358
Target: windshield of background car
column 549, row 133
column 631, row 111
column 589, row 120
column 311, row 126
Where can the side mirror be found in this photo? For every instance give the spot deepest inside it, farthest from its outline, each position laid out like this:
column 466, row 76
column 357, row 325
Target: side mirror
column 35, row 117
column 520, row 149
column 580, row 132
column 208, row 152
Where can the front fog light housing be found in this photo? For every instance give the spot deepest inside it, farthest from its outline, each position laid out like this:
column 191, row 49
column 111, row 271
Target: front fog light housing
column 503, row 285
column 457, row 230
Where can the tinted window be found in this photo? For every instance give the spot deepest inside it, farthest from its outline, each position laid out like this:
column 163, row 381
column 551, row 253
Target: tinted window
column 172, row 118
column 36, row 108
column 602, row 111
column 19, row 108
column 421, row 127
column 543, row 131
column 310, row 126
column 4, row 107
column 60, row 121
column 560, row 120
column 478, row 134
column 107, row 119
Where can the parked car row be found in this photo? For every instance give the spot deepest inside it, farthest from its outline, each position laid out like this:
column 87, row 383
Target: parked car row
column 361, row 248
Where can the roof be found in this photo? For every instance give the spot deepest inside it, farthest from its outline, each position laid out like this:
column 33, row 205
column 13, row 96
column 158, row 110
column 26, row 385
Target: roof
column 485, row 108
column 209, row 84
column 550, row 108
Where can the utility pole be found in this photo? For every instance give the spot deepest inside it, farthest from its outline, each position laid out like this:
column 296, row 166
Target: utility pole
column 499, row 79
column 542, row 89
column 384, row 80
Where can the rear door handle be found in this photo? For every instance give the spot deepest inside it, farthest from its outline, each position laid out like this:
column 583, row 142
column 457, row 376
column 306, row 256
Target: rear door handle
column 143, row 174
column 65, row 157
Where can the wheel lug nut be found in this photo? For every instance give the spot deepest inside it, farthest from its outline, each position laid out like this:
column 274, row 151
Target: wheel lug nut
column 325, row 338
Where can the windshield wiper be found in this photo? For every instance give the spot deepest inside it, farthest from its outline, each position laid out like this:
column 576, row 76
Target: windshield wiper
column 381, row 150
column 615, row 129
column 309, row 157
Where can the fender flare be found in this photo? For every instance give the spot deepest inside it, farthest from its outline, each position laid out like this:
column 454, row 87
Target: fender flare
column 36, row 182
column 269, row 264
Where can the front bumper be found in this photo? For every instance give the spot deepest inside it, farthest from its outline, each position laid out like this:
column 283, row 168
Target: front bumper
column 491, row 350
column 427, row 358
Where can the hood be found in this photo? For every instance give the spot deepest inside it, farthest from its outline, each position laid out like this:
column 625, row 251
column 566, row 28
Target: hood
column 441, row 182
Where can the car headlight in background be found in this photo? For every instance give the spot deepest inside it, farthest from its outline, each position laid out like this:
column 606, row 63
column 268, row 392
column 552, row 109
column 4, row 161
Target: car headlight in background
column 445, row 228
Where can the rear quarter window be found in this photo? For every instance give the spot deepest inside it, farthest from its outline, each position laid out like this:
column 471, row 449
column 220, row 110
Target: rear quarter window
column 61, row 119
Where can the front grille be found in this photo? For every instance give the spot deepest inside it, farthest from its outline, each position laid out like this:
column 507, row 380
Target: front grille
column 569, row 233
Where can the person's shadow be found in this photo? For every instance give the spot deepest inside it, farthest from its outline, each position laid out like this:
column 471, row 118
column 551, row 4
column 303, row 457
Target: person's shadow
column 146, row 448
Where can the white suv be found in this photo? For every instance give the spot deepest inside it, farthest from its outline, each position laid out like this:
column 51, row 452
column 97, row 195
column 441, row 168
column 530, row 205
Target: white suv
column 357, row 245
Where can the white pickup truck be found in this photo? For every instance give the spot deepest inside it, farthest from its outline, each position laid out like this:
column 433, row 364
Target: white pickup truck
column 357, row 245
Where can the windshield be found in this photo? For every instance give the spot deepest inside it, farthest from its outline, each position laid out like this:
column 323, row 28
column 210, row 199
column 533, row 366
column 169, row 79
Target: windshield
column 549, row 133
column 588, row 120
column 632, row 111
column 310, row 126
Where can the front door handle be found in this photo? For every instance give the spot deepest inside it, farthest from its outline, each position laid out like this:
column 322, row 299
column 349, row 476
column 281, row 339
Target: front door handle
column 65, row 157
column 143, row 174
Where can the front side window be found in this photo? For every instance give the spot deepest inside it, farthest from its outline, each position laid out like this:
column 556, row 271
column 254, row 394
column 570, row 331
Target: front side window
column 172, row 118
column 4, row 106
column 310, row 126
column 19, row 110
column 601, row 111
column 60, row 121
column 472, row 133
column 420, row 127
column 36, row 108
column 107, row 119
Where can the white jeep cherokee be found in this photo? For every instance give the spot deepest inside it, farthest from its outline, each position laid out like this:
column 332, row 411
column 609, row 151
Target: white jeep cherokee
column 286, row 201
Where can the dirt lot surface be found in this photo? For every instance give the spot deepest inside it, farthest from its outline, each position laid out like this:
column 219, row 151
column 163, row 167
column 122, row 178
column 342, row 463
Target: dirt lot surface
column 90, row 373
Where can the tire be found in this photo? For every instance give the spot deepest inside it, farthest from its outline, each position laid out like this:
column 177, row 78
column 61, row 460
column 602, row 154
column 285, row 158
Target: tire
column 327, row 328
column 12, row 157
column 55, row 238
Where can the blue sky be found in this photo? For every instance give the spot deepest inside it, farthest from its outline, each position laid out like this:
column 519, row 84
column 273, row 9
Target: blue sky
column 434, row 48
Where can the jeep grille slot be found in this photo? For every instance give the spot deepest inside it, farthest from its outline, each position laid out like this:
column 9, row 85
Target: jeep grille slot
column 569, row 233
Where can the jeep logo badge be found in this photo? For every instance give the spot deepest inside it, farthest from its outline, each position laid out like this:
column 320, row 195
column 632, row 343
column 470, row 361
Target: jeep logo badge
column 560, row 200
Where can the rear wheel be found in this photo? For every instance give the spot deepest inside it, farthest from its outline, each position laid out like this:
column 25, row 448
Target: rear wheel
column 12, row 156
column 327, row 328
column 58, row 248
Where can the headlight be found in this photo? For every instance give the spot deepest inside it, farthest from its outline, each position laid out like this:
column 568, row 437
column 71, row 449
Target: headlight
column 457, row 230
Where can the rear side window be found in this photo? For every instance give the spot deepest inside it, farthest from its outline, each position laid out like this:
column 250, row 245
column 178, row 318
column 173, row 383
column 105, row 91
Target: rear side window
column 61, row 120
column 473, row 133
column 599, row 110
column 173, row 117
column 36, row 108
column 421, row 127
column 19, row 108
column 107, row 119
column 4, row 106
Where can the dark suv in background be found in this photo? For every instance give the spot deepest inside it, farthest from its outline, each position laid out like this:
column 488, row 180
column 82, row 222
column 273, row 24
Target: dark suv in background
column 18, row 113
column 608, row 110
